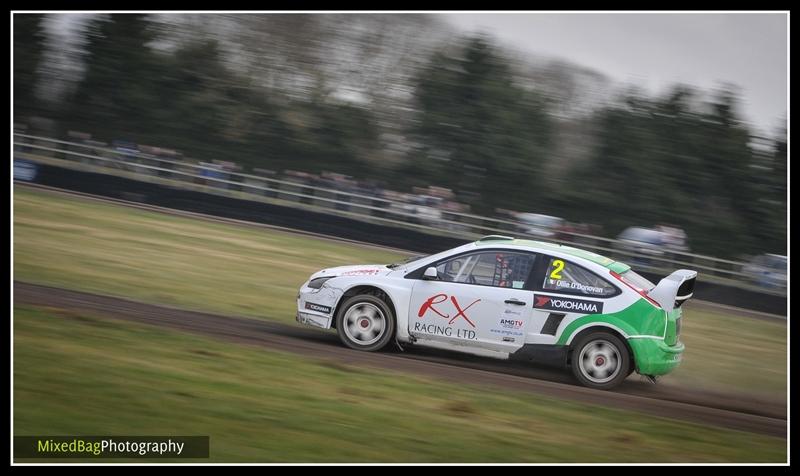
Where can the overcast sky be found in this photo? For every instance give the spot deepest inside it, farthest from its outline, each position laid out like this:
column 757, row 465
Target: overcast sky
column 659, row 49
column 652, row 50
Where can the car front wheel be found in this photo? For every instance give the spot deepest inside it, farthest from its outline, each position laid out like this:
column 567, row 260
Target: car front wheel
column 600, row 360
column 365, row 322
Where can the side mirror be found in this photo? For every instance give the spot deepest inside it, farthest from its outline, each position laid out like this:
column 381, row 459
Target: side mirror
column 430, row 274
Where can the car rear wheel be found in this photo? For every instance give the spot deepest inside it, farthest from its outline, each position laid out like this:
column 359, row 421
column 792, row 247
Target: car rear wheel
column 365, row 322
column 600, row 360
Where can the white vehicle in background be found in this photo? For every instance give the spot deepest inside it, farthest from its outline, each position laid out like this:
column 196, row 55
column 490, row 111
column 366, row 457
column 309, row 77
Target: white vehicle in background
column 642, row 241
column 509, row 299
column 674, row 238
column 650, row 247
column 767, row 271
column 418, row 209
column 426, row 209
column 539, row 226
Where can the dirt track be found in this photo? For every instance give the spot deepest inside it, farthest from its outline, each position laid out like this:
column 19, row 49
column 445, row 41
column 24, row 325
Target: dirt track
column 693, row 304
column 731, row 411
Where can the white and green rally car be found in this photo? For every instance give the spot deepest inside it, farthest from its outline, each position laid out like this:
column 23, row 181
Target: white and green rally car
column 508, row 298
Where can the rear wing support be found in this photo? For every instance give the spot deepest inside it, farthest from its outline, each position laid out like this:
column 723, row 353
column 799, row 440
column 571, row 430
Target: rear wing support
column 672, row 291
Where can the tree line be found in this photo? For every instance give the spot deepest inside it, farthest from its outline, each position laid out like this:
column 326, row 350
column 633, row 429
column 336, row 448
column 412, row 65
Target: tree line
column 472, row 122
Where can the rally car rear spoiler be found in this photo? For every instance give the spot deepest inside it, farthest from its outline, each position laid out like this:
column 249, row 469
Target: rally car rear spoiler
column 672, row 291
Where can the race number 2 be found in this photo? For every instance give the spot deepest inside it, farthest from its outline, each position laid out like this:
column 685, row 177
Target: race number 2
column 558, row 265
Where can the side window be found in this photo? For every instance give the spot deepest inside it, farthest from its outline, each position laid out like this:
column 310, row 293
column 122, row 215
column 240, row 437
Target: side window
column 567, row 277
column 496, row 268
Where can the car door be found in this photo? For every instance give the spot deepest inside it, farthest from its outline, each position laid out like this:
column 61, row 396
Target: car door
column 479, row 299
column 563, row 292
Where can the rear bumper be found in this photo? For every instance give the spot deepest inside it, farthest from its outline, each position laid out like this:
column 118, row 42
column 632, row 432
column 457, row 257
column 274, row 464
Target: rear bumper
column 655, row 357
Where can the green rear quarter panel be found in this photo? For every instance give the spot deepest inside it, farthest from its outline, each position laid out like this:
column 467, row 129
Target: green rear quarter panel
column 638, row 319
column 645, row 325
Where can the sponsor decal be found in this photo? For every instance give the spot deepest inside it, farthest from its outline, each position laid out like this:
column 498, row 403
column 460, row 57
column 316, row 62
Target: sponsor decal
column 431, row 302
column 445, row 331
column 567, row 304
column 512, row 312
column 24, row 170
column 361, row 272
column 318, row 307
column 505, row 332
column 511, row 323
column 508, row 339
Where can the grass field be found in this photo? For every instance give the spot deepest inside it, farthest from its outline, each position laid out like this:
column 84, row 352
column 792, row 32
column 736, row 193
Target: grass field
column 80, row 244
column 732, row 353
column 163, row 259
column 76, row 374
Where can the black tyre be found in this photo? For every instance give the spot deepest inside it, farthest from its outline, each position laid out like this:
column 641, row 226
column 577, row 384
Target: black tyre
column 365, row 322
column 600, row 360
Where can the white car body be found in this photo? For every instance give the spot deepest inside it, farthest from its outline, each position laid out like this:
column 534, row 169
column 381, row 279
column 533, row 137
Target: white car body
column 472, row 318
